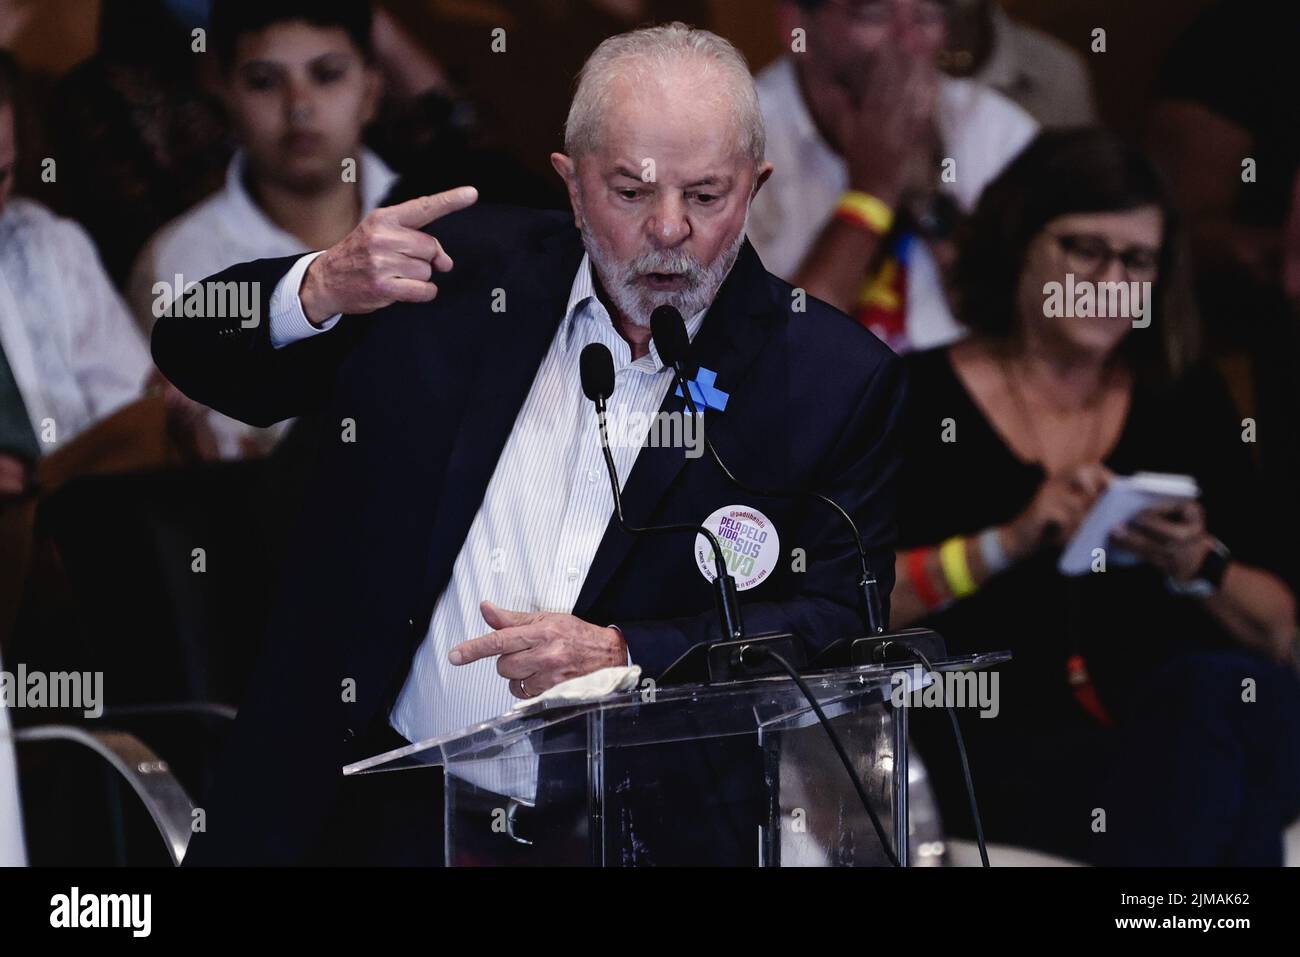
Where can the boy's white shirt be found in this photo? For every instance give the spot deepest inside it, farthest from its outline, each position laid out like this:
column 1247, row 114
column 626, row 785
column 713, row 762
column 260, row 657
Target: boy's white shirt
column 225, row 229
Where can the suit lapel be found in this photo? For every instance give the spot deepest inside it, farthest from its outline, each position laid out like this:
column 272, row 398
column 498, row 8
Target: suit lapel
column 735, row 329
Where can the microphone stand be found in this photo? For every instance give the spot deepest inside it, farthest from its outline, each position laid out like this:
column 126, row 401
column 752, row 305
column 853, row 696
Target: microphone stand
column 724, row 585
column 868, row 587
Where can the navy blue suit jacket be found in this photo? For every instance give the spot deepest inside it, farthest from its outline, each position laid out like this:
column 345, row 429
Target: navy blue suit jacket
column 433, row 390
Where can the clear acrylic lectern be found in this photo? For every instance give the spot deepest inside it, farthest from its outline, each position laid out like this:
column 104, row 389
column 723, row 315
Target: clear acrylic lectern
column 726, row 774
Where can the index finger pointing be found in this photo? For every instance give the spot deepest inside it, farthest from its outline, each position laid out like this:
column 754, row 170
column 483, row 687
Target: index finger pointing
column 423, row 210
column 503, row 642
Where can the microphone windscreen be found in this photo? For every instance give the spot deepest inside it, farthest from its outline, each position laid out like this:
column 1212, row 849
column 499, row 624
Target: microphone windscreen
column 596, row 366
column 669, row 332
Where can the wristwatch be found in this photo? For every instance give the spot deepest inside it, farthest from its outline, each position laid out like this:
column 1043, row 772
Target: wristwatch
column 1209, row 576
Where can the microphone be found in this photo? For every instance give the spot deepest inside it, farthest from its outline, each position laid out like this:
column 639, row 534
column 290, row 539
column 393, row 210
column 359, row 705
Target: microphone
column 596, row 367
column 674, row 346
column 923, row 644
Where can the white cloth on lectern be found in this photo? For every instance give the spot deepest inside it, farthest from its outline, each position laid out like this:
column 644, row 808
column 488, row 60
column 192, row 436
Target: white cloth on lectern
column 590, row 687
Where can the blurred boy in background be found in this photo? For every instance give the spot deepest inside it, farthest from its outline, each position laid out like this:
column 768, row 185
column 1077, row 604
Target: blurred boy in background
column 299, row 84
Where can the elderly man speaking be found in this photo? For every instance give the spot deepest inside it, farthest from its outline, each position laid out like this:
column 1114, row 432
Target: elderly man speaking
column 457, row 550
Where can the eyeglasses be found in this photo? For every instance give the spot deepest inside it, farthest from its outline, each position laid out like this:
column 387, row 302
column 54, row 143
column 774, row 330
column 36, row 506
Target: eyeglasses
column 1092, row 255
column 878, row 13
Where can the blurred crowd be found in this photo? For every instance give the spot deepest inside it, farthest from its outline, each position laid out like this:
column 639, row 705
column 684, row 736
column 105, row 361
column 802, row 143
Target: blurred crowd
column 937, row 165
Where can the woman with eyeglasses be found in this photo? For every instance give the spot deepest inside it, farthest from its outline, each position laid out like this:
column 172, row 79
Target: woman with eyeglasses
column 1149, row 715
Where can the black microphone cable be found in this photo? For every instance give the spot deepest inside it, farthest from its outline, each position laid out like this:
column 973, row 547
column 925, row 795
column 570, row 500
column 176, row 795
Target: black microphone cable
column 669, row 333
column 965, row 761
column 673, row 344
column 596, row 366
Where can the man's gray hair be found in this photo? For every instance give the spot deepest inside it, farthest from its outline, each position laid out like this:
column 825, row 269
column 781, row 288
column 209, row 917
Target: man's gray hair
column 642, row 55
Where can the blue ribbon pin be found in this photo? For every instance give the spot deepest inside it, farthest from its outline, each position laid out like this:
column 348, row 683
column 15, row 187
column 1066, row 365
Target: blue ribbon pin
column 704, row 393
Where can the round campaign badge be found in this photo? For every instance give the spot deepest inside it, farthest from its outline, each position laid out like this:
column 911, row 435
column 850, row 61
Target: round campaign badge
column 750, row 546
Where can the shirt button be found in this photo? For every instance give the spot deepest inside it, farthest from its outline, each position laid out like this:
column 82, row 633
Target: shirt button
column 497, row 557
column 591, row 476
column 571, row 573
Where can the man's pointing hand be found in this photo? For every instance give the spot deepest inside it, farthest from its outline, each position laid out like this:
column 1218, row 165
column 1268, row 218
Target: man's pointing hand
column 536, row 650
column 385, row 259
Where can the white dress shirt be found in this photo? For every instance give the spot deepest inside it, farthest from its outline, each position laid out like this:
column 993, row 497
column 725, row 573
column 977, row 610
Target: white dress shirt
column 228, row 228
column 75, row 353
column 980, row 129
column 542, row 518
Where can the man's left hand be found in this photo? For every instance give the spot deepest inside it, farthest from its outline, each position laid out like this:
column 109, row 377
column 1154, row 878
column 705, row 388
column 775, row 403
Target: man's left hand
column 537, row 650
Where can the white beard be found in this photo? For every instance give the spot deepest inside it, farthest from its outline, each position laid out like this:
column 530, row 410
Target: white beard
column 635, row 302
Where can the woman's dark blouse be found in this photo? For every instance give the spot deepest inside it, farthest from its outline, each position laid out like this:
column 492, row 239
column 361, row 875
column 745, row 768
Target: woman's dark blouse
column 1124, row 621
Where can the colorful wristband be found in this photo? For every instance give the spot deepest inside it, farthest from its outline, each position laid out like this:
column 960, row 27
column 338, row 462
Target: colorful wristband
column 920, row 578
column 952, row 556
column 863, row 209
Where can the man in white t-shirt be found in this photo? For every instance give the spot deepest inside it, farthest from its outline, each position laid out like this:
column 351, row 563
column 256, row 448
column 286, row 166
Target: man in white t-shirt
column 69, row 353
column 70, row 356
column 299, row 93
column 876, row 154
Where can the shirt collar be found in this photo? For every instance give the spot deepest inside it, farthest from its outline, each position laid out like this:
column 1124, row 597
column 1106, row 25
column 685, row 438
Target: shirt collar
column 374, row 177
column 376, row 180
column 586, row 320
